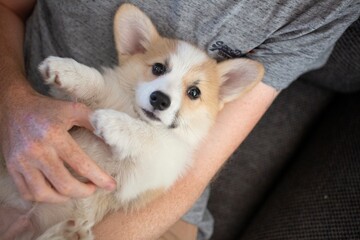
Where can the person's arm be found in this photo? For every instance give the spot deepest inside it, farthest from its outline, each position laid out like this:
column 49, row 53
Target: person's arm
column 34, row 138
column 233, row 124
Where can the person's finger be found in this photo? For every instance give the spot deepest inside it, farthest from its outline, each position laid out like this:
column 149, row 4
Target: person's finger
column 39, row 187
column 65, row 183
column 84, row 166
column 79, row 116
column 21, row 185
column 59, row 176
column 16, row 228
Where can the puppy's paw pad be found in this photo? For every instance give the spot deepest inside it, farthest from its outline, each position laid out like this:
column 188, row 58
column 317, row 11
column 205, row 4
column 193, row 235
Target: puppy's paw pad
column 76, row 224
column 72, row 229
column 77, row 229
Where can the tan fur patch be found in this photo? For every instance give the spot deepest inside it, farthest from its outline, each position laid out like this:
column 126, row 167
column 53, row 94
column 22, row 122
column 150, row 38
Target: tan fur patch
column 159, row 52
column 141, row 64
column 205, row 77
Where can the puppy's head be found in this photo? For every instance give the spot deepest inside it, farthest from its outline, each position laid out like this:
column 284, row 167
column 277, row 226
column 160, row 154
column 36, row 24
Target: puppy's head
column 176, row 84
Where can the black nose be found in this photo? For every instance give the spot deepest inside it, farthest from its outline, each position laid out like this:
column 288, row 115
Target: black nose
column 159, row 100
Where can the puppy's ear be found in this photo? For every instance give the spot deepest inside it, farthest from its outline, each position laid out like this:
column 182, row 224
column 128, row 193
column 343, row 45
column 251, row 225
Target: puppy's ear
column 238, row 76
column 133, row 30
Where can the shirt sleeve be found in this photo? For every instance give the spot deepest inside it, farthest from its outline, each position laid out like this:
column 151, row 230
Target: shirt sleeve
column 303, row 44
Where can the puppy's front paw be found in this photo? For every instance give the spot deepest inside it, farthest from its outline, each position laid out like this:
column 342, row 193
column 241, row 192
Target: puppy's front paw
column 57, row 71
column 115, row 128
column 108, row 124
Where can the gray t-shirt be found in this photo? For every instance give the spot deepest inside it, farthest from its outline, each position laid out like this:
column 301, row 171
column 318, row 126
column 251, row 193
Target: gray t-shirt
column 289, row 37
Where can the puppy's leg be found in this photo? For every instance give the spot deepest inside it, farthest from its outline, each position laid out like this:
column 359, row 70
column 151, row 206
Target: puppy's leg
column 126, row 135
column 65, row 75
column 77, row 229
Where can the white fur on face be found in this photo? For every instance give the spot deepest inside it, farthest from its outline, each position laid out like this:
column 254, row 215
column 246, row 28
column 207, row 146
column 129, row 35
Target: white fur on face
column 171, row 83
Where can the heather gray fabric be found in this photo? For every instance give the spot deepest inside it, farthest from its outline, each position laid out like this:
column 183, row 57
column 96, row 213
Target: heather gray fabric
column 199, row 215
column 342, row 71
column 289, row 37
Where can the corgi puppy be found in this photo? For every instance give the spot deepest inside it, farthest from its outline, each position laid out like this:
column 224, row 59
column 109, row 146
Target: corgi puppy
column 150, row 114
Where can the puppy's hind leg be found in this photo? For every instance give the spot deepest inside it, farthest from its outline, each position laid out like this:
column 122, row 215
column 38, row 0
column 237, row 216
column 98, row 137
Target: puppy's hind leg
column 77, row 229
column 65, row 75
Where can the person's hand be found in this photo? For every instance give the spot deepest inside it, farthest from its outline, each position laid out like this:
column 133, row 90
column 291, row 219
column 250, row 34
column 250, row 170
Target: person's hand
column 36, row 144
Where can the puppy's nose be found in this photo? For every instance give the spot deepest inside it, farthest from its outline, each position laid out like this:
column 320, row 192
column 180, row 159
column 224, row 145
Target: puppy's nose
column 159, row 100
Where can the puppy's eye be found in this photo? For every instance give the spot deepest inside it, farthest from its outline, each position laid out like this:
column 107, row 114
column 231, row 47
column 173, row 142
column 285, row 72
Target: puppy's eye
column 193, row 92
column 158, row 69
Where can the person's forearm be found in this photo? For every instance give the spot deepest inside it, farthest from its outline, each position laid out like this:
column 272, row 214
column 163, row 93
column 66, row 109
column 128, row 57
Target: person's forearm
column 233, row 124
column 12, row 71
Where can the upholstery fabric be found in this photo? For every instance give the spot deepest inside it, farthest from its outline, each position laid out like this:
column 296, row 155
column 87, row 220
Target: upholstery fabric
column 318, row 197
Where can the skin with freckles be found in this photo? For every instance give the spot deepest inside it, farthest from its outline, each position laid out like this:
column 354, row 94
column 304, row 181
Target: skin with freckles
column 36, row 167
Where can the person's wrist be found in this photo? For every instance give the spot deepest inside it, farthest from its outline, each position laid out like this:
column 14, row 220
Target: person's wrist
column 14, row 92
column 14, row 87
